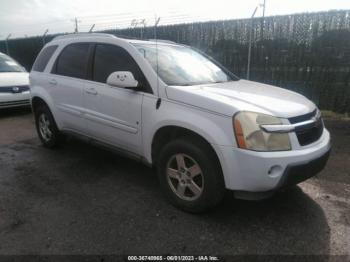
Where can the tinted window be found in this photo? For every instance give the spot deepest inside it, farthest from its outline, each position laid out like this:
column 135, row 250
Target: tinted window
column 43, row 58
column 73, row 60
column 109, row 58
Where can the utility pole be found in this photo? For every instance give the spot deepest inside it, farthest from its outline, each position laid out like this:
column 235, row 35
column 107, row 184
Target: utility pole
column 76, row 25
column 265, row 58
column 264, row 6
column 7, row 45
column 44, row 35
column 143, row 22
column 157, row 19
column 76, row 21
column 134, row 23
column 250, row 42
column 263, row 20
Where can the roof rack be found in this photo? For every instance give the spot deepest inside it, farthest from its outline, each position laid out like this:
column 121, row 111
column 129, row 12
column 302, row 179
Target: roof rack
column 67, row 36
column 162, row 41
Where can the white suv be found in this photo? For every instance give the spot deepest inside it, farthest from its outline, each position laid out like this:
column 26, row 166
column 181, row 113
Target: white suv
column 173, row 107
column 14, row 83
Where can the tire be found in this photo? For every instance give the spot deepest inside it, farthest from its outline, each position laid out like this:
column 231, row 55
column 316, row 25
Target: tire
column 204, row 186
column 48, row 132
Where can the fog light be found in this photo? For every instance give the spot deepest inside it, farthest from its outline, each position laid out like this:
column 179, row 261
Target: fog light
column 275, row 171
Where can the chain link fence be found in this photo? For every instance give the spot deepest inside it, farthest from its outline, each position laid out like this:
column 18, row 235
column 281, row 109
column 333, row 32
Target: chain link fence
column 307, row 53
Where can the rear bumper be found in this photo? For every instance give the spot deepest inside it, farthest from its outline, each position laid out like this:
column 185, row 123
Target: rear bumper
column 8, row 100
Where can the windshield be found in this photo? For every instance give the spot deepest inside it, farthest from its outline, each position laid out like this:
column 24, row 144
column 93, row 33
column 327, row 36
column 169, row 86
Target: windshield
column 7, row 64
column 179, row 65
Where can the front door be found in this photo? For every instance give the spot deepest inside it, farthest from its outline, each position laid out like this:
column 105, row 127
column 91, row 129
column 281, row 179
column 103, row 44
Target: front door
column 113, row 114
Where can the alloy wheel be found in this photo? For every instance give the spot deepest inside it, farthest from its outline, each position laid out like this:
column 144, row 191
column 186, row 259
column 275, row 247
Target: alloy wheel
column 44, row 127
column 185, row 177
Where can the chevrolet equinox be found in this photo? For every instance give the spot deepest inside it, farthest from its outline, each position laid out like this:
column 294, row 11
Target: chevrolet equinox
column 173, row 107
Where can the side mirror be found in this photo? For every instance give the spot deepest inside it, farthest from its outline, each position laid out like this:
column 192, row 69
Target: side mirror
column 123, row 79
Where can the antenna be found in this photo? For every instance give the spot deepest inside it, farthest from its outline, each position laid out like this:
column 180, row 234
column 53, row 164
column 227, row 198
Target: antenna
column 157, row 19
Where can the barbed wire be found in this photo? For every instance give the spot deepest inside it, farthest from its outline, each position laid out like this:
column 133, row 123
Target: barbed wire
column 105, row 22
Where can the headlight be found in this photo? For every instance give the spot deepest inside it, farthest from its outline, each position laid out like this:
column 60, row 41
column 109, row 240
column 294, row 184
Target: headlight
column 250, row 136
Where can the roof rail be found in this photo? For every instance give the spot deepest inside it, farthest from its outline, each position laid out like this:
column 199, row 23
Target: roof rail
column 163, row 41
column 73, row 35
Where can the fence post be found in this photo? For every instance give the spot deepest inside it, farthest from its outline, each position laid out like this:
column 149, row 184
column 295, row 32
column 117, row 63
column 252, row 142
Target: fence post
column 7, row 45
column 43, row 37
column 250, row 43
column 91, row 28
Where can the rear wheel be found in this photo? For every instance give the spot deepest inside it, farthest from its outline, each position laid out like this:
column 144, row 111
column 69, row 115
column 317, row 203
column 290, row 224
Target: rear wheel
column 190, row 175
column 46, row 127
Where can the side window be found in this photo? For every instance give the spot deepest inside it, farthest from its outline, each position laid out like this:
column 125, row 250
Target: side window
column 43, row 58
column 73, row 61
column 110, row 58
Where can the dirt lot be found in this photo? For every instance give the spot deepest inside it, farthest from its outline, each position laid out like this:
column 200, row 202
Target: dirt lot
column 81, row 199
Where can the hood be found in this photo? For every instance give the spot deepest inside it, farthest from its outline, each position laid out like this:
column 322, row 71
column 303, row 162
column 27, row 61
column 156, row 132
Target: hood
column 228, row 98
column 14, row 79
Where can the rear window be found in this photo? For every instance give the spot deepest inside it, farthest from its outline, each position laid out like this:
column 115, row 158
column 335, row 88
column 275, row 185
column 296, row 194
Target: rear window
column 43, row 58
column 73, row 61
column 7, row 64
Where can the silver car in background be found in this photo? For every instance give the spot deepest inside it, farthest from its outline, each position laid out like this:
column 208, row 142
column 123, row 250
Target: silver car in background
column 14, row 83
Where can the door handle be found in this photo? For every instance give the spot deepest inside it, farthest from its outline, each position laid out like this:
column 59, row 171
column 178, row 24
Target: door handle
column 91, row 91
column 53, row 82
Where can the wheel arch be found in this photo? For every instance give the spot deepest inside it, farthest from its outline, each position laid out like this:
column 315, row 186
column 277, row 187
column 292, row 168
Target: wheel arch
column 170, row 132
column 38, row 101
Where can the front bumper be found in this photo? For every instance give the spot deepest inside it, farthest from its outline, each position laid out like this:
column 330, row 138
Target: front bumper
column 251, row 171
column 296, row 173
column 8, row 100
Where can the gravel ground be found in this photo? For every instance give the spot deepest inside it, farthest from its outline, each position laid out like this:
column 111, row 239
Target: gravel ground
column 80, row 199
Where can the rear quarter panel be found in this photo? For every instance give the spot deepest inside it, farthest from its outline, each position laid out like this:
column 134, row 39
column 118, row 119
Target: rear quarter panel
column 39, row 88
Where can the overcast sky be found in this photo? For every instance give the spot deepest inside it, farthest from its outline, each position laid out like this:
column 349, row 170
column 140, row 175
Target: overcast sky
column 33, row 17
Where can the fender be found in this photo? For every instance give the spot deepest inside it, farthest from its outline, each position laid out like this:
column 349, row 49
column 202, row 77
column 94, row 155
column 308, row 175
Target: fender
column 215, row 131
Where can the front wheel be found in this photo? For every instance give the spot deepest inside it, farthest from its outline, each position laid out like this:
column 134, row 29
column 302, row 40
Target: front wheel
column 190, row 175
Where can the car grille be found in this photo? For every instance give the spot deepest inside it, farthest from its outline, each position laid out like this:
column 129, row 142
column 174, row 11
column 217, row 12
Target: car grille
column 13, row 89
column 15, row 103
column 308, row 134
column 302, row 118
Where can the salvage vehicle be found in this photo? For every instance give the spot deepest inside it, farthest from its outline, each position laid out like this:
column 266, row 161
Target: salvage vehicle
column 175, row 108
column 14, row 83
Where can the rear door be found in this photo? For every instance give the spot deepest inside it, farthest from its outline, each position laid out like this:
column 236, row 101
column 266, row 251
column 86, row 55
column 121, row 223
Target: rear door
column 113, row 114
column 67, row 84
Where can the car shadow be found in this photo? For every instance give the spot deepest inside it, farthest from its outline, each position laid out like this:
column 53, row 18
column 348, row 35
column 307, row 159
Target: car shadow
column 290, row 222
column 15, row 112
